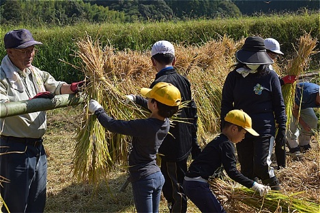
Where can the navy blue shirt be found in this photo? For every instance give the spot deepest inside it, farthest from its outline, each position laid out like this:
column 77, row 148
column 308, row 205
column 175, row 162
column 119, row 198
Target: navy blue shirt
column 260, row 96
column 148, row 134
column 309, row 93
column 219, row 152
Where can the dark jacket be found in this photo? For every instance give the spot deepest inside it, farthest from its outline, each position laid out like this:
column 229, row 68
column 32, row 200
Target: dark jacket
column 219, row 152
column 258, row 95
column 148, row 135
column 182, row 138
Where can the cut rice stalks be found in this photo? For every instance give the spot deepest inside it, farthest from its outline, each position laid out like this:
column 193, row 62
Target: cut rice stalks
column 233, row 195
column 296, row 67
column 97, row 150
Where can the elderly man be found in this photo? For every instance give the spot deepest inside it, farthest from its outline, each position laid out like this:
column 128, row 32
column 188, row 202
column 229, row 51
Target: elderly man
column 25, row 164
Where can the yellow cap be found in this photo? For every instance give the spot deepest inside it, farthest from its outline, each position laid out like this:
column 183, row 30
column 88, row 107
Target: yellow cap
column 163, row 92
column 240, row 118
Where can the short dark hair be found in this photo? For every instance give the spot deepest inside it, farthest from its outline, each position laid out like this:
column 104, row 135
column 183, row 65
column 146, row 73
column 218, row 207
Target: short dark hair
column 226, row 124
column 166, row 58
column 165, row 110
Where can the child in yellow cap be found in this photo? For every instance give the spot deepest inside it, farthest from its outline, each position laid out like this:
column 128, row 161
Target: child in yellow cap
column 220, row 153
column 148, row 134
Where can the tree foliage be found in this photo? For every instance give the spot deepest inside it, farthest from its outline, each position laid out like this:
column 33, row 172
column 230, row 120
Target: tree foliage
column 60, row 13
column 56, row 12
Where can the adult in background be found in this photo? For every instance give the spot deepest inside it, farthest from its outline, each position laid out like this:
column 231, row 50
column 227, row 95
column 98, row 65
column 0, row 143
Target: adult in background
column 182, row 140
column 26, row 165
column 273, row 50
column 307, row 97
column 256, row 89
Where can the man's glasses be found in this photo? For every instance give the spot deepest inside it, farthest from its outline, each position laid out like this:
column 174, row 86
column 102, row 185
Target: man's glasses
column 28, row 51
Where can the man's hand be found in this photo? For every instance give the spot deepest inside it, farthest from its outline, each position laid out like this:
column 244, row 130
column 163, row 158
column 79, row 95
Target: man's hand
column 289, row 79
column 94, row 106
column 262, row 189
column 46, row 94
column 74, row 87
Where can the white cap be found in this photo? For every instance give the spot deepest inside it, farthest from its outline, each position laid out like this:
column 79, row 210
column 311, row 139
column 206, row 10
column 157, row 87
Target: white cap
column 162, row 47
column 272, row 45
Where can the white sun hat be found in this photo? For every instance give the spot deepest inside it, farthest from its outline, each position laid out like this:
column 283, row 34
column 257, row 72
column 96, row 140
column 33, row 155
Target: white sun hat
column 162, row 47
column 272, row 45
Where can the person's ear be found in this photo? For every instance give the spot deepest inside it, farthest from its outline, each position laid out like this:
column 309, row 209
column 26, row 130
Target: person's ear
column 155, row 105
column 234, row 128
column 153, row 61
column 9, row 52
column 174, row 61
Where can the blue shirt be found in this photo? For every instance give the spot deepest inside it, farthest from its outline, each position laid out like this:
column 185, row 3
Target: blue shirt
column 309, row 93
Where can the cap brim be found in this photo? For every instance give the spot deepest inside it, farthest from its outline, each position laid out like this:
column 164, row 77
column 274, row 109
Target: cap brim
column 248, row 57
column 252, row 131
column 145, row 92
column 28, row 44
column 277, row 52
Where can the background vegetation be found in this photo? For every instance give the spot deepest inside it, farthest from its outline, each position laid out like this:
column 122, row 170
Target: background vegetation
column 59, row 42
column 61, row 13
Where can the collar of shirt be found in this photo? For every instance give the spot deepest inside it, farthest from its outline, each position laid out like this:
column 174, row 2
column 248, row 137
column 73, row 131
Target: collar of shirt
column 245, row 71
column 164, row 69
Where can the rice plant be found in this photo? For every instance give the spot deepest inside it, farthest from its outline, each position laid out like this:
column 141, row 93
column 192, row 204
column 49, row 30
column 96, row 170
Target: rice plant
column 297, row 66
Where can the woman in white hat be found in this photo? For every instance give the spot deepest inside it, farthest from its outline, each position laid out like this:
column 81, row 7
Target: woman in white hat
column 255, row 89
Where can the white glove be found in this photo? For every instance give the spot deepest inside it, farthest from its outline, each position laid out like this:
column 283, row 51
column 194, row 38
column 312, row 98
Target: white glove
column 94, row 106
column 262, row 189
column 130, row 98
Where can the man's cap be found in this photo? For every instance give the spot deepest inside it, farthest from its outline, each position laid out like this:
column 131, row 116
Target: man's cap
column 163, row 92
column 240, row 118
column 253, row 52
column 19, row 39
column 273, row 45
column 162, row 47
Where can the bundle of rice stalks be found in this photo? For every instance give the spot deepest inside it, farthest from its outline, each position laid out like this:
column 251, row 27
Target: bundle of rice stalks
column 296, row 67
column 236, row 198
column 97, row 150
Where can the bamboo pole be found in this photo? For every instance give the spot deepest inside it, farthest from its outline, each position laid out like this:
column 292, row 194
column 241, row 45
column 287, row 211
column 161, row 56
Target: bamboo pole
column 39, row 104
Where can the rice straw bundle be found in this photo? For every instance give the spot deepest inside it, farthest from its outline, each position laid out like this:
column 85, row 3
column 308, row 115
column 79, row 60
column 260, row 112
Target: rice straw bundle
column 232, row 194
column 296, row 67
column 97, row 150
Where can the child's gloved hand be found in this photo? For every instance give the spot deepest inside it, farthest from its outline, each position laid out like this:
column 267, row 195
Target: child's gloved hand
column 130, row 98
column 262, row 189
column 94, row 106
